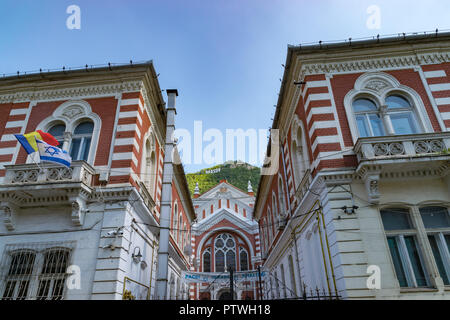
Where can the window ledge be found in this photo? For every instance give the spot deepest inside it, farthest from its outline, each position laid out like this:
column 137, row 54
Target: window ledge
column 413, row 290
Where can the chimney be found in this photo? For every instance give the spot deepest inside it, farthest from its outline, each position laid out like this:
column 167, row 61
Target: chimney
column 166, row 199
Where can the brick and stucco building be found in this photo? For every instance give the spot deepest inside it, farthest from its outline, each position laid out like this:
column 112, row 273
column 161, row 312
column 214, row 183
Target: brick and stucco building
column 101, row 215
column 224, row 236
column 361, row 185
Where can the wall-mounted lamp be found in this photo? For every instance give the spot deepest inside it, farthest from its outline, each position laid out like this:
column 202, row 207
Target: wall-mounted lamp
column 349, row 210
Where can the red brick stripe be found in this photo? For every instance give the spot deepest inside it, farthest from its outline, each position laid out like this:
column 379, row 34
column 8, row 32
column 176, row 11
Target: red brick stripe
column 326, row 147
column 444, row 108
column 131, row 107
column 323, row 132
column 17, row 117
column 441, row 94
column 320, row 117
column 8, row 144
column 130, row 95
column 314, row 77
column 437, row 80
column 6, row 157
column 12, row 130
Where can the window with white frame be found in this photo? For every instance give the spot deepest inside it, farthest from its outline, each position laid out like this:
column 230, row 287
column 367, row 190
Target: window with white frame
column 224, row 252
column 34, row 272
column 394, row 117
column 207, row 260
column 436, row 220
column 269, row 227
column 281, row 195
column 175, row 221
column 402, row 240
column 180, row 223
column 81, row 141
column 149, row 164
column 405, row 242
column 243, row 259
column 300, row 159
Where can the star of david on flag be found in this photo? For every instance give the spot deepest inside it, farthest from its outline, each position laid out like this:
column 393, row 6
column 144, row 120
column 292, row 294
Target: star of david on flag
column 53, row 154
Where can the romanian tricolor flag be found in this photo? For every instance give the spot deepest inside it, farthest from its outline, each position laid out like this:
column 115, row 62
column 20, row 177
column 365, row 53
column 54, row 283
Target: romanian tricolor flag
column 28, row 140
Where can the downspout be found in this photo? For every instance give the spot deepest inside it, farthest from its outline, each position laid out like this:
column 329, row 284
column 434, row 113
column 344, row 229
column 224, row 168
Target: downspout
column 323, row 252
column 329, row 253
column 151, row 270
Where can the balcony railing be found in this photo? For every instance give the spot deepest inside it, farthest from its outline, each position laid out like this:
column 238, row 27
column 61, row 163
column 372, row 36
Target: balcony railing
column 404, row 146
column 28, row 174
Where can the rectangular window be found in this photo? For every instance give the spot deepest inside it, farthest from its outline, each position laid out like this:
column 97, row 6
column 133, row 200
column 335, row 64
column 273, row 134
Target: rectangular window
column 35, row 270
column 415, row 262
column 436, row 220
column 395, row 253
column 402, row 242
column 439, row 258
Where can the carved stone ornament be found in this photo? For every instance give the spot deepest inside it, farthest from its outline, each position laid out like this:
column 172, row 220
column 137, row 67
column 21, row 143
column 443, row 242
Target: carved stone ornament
column 376, row 85
column 371, row 183
column 72, row 112
column 78, row 212
column 8, row 217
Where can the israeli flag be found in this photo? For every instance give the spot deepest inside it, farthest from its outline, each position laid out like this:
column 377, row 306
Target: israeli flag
column 53, row 154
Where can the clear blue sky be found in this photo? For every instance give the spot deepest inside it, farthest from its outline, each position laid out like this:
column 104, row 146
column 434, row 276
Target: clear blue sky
column 224, row 56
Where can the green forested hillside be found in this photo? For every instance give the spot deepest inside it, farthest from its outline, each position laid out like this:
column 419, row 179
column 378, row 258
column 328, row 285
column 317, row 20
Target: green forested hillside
column 235, row 172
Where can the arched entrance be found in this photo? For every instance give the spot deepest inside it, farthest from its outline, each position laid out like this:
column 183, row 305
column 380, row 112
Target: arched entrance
column 224, row 295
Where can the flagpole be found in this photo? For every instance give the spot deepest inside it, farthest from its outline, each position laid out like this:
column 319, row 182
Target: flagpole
column 32, row 158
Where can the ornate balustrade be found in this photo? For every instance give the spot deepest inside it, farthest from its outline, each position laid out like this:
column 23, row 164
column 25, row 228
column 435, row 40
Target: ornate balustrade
column 24, row 174
column 412, row 145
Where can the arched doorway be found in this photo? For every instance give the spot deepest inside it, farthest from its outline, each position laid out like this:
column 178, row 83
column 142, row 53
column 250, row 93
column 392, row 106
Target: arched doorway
column 224, row 295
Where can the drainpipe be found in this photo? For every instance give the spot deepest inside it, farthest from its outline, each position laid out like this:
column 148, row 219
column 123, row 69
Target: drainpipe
column 166, row 200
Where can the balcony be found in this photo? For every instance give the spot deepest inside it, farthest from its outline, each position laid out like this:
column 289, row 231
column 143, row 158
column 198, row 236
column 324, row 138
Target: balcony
column 404, row 156
column 30, row 185
column 32, row 174
column 405, row 146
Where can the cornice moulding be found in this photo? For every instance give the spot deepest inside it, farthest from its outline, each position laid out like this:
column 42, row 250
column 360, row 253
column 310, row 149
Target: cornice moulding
column 70, row 92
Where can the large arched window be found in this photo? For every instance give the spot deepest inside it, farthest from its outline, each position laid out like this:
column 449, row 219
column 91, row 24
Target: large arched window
column 148, row 167
column 175, row 221
column 180, row 224
column 368, row 118
column 396, row 117
column 224, row 252
column 281, row 195
column 269, row 226
column 243, row 259
column 207, row 260
column 276, row 213
column 299, row 152
column 81, row 141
